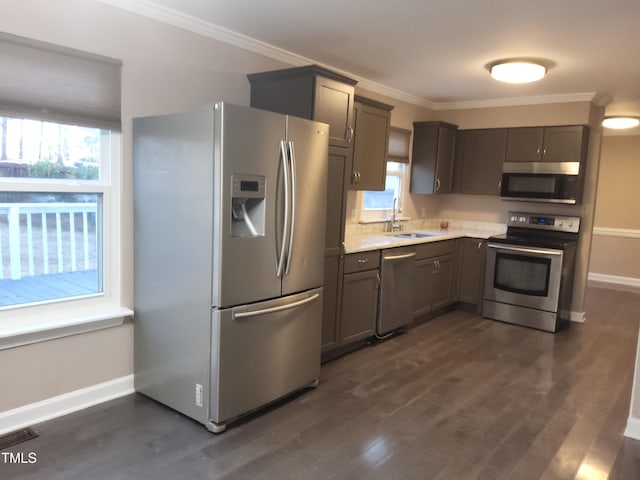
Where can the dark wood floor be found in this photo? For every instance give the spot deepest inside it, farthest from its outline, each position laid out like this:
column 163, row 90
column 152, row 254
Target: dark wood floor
column 457, row 397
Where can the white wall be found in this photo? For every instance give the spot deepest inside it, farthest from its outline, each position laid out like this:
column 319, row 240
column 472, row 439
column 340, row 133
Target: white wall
column 165, row 69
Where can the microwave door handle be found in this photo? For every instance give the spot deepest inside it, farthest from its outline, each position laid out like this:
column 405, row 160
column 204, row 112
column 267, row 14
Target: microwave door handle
column 525, row 250
column 292, row 171
column 283, row 159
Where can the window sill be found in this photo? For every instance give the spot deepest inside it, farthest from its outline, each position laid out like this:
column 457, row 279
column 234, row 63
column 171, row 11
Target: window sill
column 105, row 317
column 381, row 220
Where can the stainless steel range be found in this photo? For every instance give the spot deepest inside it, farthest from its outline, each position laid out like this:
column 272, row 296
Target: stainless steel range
column 529, row 275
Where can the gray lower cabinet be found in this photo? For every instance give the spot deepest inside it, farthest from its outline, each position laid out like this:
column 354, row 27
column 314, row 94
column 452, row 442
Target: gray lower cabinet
column 331, row 300
column 435, row 276
column 360, row 286
column 472, row 255
column 445, row 274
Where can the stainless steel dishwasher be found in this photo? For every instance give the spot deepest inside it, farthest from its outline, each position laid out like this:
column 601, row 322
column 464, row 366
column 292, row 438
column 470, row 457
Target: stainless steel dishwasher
column 396, row 289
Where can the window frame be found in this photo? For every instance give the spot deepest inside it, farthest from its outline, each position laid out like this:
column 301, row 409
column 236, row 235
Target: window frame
column 383, row 214
column 30, row 322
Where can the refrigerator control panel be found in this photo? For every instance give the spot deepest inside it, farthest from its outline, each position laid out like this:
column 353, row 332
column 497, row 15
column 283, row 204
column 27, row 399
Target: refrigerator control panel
column 247, row 186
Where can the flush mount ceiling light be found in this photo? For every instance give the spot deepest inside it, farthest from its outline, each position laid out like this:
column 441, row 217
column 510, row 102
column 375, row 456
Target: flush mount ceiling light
column 620, row 122
column 517, row 71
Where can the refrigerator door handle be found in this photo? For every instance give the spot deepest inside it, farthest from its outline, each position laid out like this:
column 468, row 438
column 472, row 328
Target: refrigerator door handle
column 279, row 308
column 292, row 166
column 285, row 223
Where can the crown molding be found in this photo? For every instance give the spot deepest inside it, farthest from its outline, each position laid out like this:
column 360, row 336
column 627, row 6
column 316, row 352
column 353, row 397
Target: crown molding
column 169, row 16
column 149, row 9
column 517, row 101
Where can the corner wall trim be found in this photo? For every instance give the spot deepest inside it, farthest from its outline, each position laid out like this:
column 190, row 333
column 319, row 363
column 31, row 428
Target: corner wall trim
column 633, row 428
column 64, row 404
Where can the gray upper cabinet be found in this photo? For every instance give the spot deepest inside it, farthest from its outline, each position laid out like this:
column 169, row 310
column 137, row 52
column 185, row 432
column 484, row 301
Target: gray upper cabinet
column 370, row 145
column 480, row 155
column 432, row 157
column 309, row 92
column 547, row 144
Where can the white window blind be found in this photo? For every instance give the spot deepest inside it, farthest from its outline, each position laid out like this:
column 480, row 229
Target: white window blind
column 48, row 82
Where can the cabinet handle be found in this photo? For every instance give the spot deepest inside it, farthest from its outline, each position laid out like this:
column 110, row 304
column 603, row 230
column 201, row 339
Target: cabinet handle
column 479, row 245
column 378, row 279
column 363, row 260
column 539, row 152
column 437, row 184
column 349, row 135
column 436, row 264
column 544, row 152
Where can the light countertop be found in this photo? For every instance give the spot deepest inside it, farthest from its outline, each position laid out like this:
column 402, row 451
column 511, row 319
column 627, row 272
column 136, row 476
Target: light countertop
column 362, row 242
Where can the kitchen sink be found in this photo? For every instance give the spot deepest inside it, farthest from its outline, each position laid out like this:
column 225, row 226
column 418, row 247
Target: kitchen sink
column 413, row 235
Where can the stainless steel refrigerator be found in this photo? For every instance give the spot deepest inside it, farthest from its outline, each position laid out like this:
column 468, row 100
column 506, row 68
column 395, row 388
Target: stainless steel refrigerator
column 229, row 243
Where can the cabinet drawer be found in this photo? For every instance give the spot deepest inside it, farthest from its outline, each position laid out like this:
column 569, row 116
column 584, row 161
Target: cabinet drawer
column 435, row 249
column 358, row 262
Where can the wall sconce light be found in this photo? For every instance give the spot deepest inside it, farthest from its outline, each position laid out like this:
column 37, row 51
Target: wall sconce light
column 517, row 71
column 620, row 122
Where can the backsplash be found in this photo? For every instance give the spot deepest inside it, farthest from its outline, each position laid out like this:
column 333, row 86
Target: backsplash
column 424, row 224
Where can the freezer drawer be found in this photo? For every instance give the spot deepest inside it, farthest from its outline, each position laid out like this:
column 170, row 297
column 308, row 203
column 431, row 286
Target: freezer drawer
column 262, row 352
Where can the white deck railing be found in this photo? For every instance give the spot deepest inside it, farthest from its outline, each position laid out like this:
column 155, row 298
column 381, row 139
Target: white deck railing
column 22, row 232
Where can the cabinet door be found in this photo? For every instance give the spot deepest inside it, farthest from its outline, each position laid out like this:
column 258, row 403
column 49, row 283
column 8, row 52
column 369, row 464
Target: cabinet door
column 339, row 168
column 330, row 312
column 481, row 154
column 432, row 157
column 370, row 146
column 525, row 144
column 564, row 144
column 359, row 305
column 472, row 270
column 334, row 105
column 444, row 162
column 443, row 289
column 423, row 286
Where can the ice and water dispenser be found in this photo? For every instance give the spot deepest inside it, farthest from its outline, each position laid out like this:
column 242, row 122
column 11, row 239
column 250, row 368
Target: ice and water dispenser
column 247, row 205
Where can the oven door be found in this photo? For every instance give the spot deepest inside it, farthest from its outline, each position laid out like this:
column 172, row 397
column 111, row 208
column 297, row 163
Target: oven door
column 523, row 276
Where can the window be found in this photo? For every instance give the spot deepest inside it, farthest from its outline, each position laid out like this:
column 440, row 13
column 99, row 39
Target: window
column 53, row 178
column 378, row 204
column 60, row 123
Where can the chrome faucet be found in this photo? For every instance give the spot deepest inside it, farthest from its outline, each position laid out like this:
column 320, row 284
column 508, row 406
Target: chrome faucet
column 394, row 222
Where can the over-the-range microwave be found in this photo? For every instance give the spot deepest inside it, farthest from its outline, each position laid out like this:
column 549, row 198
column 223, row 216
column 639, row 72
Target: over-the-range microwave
column 553, row 182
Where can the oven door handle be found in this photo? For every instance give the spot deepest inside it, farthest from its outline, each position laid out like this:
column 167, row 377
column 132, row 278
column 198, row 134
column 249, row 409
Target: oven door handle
column 534, row 251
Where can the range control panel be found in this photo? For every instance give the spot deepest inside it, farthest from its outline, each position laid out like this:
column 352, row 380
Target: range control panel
column 538, row 221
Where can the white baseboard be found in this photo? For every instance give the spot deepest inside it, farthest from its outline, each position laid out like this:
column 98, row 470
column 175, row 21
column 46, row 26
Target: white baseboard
column 53, row 407
column 633, row 428
column 615, row 280
column 579, row 317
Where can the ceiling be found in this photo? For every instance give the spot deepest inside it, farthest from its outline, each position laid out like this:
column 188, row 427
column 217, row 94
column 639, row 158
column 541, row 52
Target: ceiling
column 437, row 51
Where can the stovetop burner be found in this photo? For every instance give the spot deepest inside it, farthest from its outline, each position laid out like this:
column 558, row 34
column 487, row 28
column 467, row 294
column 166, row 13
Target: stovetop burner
column 543, row 231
